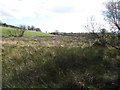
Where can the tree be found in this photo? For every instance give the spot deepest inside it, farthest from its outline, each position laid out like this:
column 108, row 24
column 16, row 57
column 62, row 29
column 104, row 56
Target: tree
column 21, row 32
column 56, row 32
column 22, row 26
column 38, row 29
column 28, row 27
column 17, row 32
column 97, row 33
column 32, row 27
column 112, row 13
column 92, row 26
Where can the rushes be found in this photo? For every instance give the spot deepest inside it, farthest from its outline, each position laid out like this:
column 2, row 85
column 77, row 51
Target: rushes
column 56, row 62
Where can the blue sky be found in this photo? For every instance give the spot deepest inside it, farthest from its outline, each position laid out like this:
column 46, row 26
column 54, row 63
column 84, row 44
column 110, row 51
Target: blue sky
column 51, row 15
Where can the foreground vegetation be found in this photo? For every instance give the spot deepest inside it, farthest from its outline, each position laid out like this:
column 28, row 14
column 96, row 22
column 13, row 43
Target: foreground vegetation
column 59, row 62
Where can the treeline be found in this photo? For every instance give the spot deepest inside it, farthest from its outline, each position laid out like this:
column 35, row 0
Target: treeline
column 21, row 27
column 6, row 25
column 33, row 28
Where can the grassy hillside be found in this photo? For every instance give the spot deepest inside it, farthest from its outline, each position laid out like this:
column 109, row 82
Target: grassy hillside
column 8, row 31
column 35, row 33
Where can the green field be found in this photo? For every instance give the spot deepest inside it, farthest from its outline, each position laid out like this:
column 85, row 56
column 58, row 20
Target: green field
column 8, row 31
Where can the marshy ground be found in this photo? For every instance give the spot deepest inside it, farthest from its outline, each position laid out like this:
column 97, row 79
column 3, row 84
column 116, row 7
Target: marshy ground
column 58, row 62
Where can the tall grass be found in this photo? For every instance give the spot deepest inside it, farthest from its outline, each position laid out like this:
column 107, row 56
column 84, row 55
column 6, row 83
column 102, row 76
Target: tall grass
column 37, row 63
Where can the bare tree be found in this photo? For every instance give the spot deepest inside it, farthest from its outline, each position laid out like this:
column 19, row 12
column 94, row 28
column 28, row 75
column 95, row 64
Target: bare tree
column 92, row 26
column 112, row 13
column 97, row 32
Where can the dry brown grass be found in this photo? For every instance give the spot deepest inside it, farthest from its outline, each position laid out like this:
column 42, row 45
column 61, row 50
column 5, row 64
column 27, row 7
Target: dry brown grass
column 46, row 41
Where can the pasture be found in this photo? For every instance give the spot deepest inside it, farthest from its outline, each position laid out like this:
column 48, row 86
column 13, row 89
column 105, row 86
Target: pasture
column 8, row 31
column 58, row 62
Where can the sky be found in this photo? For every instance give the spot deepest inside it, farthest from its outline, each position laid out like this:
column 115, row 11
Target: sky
column 52, row 15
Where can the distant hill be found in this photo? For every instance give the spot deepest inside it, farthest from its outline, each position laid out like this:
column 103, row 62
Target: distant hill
column 13, row 31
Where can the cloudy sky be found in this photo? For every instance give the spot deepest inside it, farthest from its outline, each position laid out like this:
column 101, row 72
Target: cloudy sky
column 51, row 15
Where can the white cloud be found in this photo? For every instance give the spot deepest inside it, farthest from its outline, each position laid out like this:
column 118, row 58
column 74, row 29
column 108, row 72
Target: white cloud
column 64, row 15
